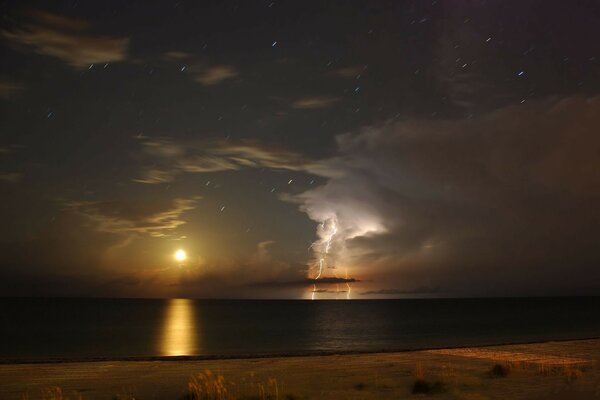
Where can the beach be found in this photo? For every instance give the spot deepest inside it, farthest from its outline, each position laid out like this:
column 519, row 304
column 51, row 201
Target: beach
column 546, row 370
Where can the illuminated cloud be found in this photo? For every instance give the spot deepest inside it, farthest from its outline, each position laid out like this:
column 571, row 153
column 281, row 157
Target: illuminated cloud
column 155, row 219
column 258, row 274
column 177, row 55
column 65, row 38
column 402, row 292
column 215, row 75
column 303, row 283
column 214, row 156
column 155, row 176
column 308, row 103
column 252, row 154
column 200, row 71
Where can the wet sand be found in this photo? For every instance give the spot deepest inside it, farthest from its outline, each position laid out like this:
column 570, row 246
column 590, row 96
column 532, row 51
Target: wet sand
column 551, row 370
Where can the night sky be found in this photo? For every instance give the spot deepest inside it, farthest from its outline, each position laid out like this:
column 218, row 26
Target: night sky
column 299, row 149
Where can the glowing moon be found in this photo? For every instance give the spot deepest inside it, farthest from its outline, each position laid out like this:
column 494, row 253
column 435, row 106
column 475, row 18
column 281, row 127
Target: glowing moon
column 180, row 255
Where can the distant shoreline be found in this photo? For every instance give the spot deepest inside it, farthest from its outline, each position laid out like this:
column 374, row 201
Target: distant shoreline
column 322, row 353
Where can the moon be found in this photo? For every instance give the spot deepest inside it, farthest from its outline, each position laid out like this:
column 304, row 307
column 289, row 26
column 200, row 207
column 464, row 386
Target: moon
column 180, row 255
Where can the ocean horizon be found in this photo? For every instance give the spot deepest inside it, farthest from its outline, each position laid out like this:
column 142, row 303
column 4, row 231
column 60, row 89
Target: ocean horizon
column 37, row 329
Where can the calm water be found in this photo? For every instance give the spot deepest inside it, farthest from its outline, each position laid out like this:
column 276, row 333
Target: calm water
column 79, row 328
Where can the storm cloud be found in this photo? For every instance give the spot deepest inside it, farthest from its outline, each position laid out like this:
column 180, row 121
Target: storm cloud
column 505, row 200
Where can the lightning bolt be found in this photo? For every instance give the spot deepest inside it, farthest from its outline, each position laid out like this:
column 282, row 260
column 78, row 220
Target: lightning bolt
column 326, row 241
column 349, row 289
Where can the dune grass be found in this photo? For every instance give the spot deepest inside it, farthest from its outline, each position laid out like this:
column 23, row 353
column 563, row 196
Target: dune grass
column 445, row 379
column 500, row 370
column 209, row 386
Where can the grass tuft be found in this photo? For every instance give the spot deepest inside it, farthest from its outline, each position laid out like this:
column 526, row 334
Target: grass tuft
column 422, row 386
column 499, row 371
column 572, row 374
column 208, row 386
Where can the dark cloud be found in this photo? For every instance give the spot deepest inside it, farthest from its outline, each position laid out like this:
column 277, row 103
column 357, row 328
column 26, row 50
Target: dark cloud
column 329, row 291
column 65, row 38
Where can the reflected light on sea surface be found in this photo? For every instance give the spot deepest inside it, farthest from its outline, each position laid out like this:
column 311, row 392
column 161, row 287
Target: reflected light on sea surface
column 179, row 330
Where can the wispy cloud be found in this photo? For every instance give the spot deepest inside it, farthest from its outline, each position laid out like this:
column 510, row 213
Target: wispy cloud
column 307, row 103
column 155, row 219
column 65, row 38
column 214, row 75
column 348, row 72
column 59, row 21
column 10, row 177
column 167, row 159
column 8, row 88
column 154, row 176
column 200, row 70
column 177, row 55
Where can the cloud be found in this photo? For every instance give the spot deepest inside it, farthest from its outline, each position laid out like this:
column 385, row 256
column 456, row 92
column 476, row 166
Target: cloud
column 303, row 282
column 499, row 204
column 349, row 72
column 201, row 71
column 8, row 88
column 215, row 75
column 59, row 21
column 10, row 177
column 250, row 275
column 155, row 219
column 169, row 158
column 65, row 38
column 308, row 103
column 502, row 203
column 155, row 176
column 402, row 292
column 177, row 55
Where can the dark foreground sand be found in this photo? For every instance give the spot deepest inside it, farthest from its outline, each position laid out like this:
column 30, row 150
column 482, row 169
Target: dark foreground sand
column 553, row 370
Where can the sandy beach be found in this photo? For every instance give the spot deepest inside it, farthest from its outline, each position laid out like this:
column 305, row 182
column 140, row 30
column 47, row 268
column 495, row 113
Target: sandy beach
column 550, row 370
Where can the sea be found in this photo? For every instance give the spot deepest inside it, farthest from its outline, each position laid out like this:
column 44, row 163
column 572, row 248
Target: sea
column 42, row 329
